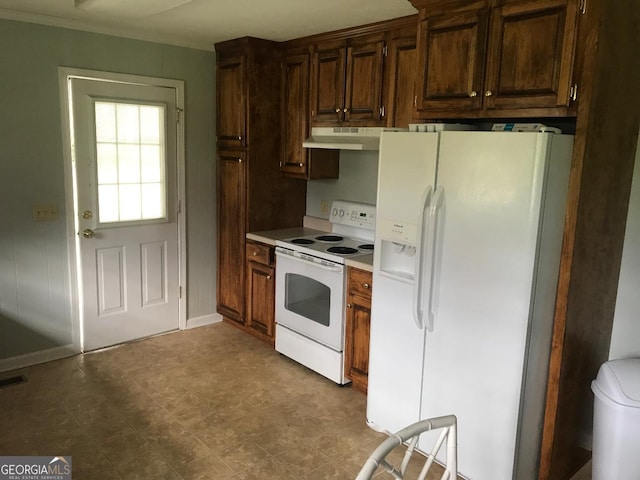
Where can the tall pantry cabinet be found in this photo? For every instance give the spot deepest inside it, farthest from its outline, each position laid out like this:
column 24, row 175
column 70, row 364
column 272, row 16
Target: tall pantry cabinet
column 252, row 193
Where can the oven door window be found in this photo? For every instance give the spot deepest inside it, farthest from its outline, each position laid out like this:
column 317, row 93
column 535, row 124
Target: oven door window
column 307, row 297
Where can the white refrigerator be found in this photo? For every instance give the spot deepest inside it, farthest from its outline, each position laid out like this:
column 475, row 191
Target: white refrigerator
column 467, row 251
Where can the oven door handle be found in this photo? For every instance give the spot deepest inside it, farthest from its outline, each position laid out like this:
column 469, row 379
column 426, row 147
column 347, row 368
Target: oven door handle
column 302, row 258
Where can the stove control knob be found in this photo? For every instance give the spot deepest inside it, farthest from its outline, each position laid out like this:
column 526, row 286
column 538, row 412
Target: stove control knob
column 341, row 212
column 334, row 212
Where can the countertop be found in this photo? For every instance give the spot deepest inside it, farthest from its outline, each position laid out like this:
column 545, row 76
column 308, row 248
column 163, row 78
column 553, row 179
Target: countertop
column 269, row 237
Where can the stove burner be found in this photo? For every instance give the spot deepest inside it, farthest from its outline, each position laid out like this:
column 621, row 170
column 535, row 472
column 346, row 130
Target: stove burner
column 342, row 250
column 302, row 241
column 330, row 238
column 366, row 246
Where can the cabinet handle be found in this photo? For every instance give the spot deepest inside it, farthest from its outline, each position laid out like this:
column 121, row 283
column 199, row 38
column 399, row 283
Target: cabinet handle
column 473, row 94
column 255, row 254
column 337, row 110
column 366, row 285
column 268, row 277
column 239, row 138
column 345, row 110
column 294, row 164
column 488, row 93
column 349, row 305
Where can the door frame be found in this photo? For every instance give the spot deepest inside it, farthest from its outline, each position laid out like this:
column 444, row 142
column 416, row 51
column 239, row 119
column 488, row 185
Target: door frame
column 65, row 75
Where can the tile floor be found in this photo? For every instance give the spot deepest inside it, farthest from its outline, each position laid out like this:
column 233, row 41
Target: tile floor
column 209, row 403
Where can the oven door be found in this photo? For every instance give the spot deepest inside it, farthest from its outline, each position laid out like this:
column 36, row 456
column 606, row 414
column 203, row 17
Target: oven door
column 310, row 297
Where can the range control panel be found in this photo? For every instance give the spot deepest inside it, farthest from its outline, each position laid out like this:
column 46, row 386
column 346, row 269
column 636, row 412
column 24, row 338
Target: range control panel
column 360, row 215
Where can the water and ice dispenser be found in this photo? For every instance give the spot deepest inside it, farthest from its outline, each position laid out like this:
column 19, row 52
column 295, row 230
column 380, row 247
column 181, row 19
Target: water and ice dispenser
column 397, row 248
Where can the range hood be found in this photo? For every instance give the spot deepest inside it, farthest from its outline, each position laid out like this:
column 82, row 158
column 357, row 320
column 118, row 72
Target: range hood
column 346, row 138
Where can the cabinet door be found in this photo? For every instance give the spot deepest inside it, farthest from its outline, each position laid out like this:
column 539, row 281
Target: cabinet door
column 451, row 55
column 530, row 54
column 231, row 235
column 261, row 300
column 400, row 77
column 363, row 90
column 231, row 106
column 327, row 83
column 358, row 323
column 295, row 114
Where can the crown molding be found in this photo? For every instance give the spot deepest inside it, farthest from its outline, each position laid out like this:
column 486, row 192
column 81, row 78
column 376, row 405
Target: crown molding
column 61, row 22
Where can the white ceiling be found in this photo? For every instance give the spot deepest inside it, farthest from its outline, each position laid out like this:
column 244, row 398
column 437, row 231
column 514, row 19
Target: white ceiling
column 201, row 23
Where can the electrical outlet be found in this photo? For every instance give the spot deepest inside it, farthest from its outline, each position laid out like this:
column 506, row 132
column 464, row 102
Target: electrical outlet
column 43, row 213
column 324, row 208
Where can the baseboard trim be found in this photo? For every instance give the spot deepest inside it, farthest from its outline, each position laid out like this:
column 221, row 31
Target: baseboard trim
column 42, row 356
column 203, row 320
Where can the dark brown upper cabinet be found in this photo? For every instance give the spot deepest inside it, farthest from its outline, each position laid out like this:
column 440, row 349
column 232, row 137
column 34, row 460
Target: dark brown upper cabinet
column 297, row 161
column 231, row 107
column 347, row 80
column 498, row 58
column 399, row 77
column 451, row 55
column 531, row 47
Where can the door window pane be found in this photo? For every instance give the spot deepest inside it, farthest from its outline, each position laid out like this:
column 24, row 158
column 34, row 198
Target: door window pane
column 130, row 157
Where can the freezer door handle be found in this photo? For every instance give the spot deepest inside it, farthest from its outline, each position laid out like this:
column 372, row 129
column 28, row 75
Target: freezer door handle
column 434, row 212
column 423, row 226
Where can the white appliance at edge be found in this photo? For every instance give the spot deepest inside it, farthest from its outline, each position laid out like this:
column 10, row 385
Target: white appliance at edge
column 466, row 259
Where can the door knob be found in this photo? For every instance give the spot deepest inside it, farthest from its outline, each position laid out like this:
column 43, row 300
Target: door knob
column 88, row 233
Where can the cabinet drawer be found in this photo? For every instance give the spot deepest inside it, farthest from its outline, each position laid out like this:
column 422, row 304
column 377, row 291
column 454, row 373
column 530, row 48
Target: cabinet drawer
column 260, row 253
column 360, row 282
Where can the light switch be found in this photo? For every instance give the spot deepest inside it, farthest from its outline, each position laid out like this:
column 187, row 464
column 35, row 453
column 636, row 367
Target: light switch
column 43, row 213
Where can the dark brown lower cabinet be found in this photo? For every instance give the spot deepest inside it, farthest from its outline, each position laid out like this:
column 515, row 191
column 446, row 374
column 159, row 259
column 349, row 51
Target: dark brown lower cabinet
column 261, row 291
column 358, row 321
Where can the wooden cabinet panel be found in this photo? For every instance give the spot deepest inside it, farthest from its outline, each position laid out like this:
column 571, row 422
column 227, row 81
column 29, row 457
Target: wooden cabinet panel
column 514, row 59
column 231, row 232
column 358, row 321
column 346, row 82
column 531, row 51
column 261, row 296
column 363, row 102
column 400, row 77
column 295, row 113
column 451, row 54
column 259, row 253
column 298, row 162
column 327, row 83
column 231, row 106
column 252, row 193
column 360, row 282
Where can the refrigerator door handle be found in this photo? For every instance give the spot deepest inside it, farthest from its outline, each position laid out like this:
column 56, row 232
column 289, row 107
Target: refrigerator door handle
column 436, row 205
column 423, row 224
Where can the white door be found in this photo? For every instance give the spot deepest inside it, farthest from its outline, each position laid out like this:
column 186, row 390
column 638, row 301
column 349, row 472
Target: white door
column 406, row 175
column 124, row 147
column 486, row 258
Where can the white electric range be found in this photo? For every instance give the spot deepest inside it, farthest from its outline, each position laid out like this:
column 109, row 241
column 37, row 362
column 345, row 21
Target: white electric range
column 310, row 288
